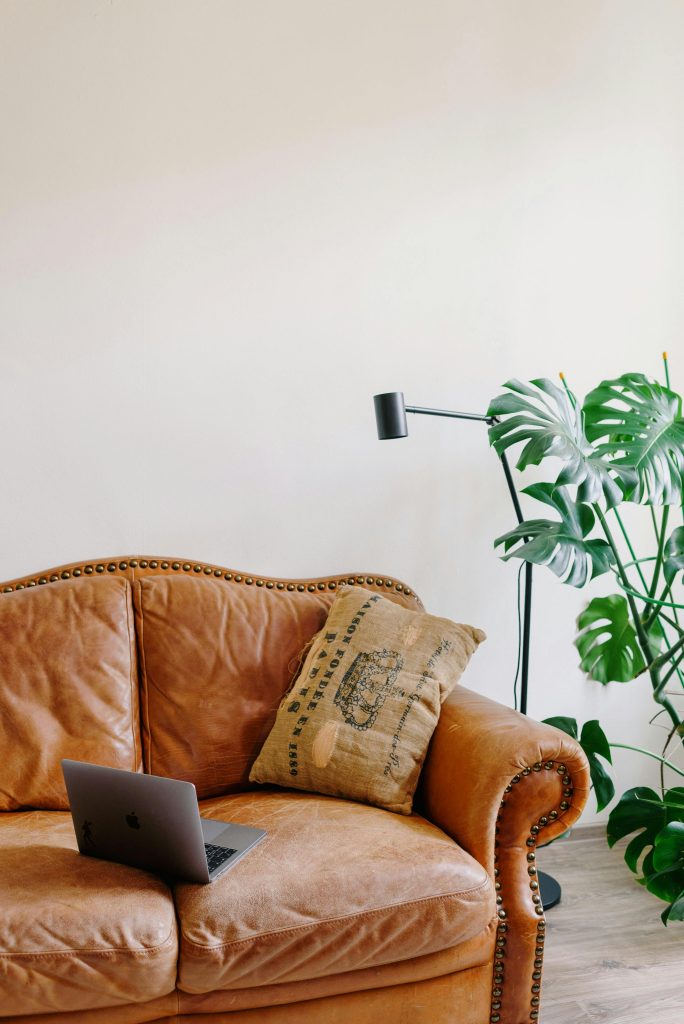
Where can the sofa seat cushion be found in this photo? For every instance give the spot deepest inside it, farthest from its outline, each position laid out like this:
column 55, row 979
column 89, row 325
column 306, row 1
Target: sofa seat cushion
column 75, row 932
column 335, row 886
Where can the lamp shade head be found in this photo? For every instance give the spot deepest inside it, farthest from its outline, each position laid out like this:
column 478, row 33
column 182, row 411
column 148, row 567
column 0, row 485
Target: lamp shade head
column 390, row 415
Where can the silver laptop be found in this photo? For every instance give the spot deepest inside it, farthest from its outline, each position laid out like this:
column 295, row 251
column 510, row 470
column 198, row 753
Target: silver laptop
column 151, row 822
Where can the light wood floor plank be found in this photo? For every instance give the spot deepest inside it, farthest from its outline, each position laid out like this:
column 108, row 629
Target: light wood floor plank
column 608, row 958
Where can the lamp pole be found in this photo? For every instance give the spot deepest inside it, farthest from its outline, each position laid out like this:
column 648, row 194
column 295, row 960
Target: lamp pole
column 390, row 415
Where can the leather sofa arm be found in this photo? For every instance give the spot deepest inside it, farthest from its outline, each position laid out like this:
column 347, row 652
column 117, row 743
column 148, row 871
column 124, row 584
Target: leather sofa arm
column 487, row 762
column 499, row 783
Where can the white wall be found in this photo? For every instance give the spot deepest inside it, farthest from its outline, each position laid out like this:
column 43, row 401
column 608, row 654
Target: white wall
column 225, row 225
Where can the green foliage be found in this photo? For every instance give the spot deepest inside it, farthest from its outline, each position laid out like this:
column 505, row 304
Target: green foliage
column 643, row 428
column 565, row 724
column 624, row 444
column 674, row 554
column 595, row 745
column 607, row 641
column 562, row 545
column 543, row 417
column 659, row 840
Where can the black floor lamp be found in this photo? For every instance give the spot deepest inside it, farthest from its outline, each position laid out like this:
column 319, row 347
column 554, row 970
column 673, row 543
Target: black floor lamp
column 390, row 415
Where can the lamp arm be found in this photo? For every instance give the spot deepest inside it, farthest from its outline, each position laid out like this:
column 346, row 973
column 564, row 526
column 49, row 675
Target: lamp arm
column 527, row 606
column 421, row 410
column 480, row 418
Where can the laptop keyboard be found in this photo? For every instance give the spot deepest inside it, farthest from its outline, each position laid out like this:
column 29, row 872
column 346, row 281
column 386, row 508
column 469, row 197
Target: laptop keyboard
column 217, row 855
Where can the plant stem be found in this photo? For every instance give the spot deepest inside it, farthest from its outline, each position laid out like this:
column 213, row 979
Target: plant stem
column 643, row 639
column 663, row 659
column 672, row 622
column 661, row 548
column 662, row 765
column 675, row 663
column 631, row 549
column 571, row 397
column 658, row 695
column 656, row 610
column 672, row 670
column 649, row 753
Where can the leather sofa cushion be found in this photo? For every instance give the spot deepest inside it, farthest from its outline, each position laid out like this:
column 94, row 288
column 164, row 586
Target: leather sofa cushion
column 68, row 686
column 335, row 887
column 75, row 932
column 216, row 659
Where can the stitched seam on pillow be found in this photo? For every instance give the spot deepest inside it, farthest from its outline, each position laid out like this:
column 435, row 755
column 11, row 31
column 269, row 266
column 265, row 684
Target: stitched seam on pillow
column 132, row 651
column 143, row 663
column 343, row 917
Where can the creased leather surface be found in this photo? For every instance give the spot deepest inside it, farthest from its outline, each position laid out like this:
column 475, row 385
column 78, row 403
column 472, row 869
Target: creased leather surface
column 68, row 686
column 335, row 887
column 462, row 998
column 216, row 661
column 500, row 783
column 477, row 747
column 458, row 998
column 76, row 932
column 150, row 1012
column 474, row 952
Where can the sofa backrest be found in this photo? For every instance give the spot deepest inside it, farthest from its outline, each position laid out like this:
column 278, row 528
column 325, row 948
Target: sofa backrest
column 215, row 662
column 68, row 687
column 216, row 649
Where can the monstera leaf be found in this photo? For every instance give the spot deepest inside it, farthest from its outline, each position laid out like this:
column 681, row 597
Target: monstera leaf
column 643, row 428
column 668, row 861
column 674, row 554
column 562, row 545
column 593, row 742
column 607, row 641
column 660, row 836
column 542, row 418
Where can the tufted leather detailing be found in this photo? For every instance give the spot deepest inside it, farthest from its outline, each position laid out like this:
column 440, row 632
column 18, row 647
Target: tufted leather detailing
column 68, row 687
column 76, row 932
column 136, row 566
column 335, row 887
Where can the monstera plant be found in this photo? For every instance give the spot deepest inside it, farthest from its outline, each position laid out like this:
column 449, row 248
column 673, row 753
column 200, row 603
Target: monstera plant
column 623, row 445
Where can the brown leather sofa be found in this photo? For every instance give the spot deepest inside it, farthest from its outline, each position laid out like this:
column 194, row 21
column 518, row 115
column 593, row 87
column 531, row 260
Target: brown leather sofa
column 345, row 913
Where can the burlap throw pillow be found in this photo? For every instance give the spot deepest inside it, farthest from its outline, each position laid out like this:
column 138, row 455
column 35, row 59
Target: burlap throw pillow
column 359, row 717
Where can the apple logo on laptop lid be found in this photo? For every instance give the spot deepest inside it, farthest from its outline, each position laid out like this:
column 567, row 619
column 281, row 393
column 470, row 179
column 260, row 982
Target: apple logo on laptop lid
column 132, row 820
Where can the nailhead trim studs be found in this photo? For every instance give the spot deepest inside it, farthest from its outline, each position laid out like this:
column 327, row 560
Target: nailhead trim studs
column 207, row 570
column 531, row 856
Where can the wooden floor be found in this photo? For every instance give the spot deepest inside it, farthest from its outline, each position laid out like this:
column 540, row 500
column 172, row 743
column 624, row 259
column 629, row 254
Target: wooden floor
column 608, row 956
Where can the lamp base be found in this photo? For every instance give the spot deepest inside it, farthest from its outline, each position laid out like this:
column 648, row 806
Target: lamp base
column 549, row 890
